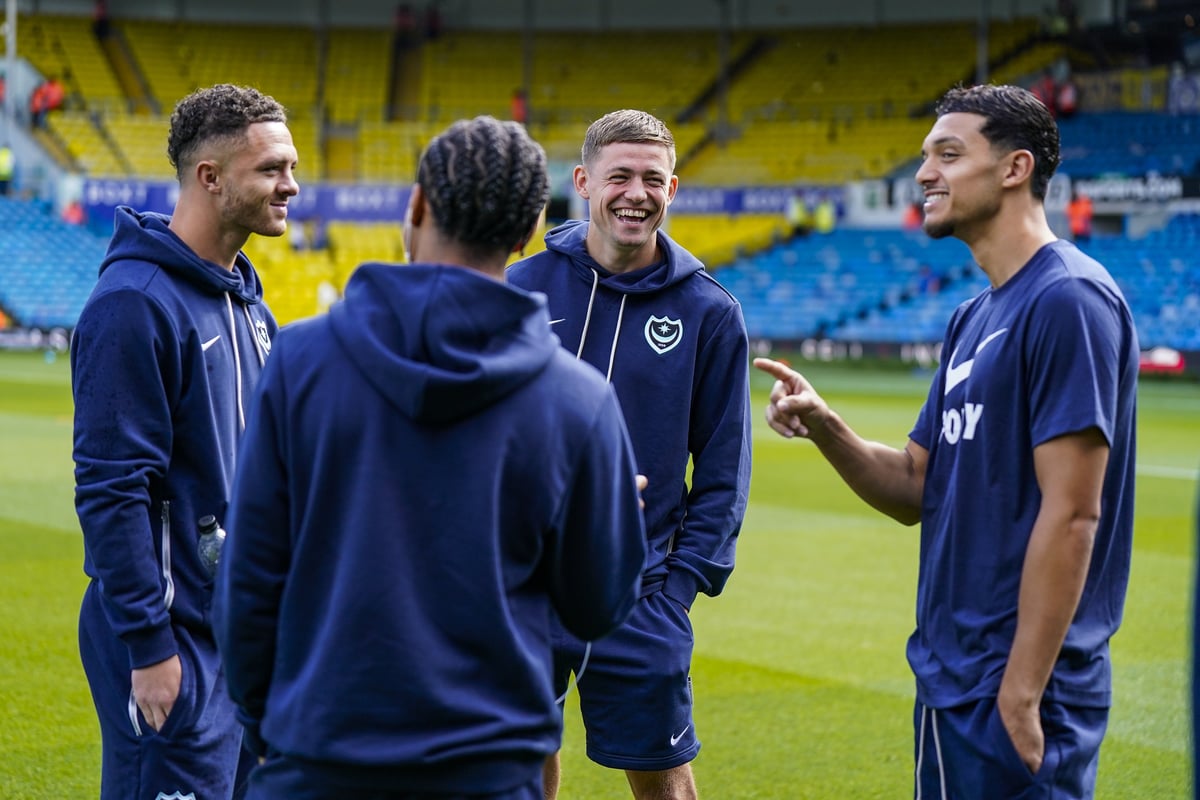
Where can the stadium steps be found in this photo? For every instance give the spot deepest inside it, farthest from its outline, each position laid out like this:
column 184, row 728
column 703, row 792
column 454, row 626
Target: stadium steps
column 125, row 69
column 405, row 82
column 56, row 148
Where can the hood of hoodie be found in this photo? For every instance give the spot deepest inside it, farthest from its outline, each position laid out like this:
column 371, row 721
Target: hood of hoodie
column 145, row 236
column 570, row 239
column 441, row 342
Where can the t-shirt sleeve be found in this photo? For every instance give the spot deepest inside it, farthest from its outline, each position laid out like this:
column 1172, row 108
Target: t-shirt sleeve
column 1074, row 360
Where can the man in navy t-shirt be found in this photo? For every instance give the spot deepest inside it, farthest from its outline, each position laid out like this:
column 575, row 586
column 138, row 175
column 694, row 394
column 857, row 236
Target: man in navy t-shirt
column 1020, row 469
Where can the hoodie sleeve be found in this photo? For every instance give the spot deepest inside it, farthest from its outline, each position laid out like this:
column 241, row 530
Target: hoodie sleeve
column 125, row 377
column 599, row 544
column 719, row 441
column 255, row 560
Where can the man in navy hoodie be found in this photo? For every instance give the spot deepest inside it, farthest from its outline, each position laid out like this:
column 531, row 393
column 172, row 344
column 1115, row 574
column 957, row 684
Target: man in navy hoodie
column 165, row 355
column 628, row 300
column 427, row 482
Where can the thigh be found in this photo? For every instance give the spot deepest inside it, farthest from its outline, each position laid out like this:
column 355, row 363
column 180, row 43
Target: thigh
column 195, row 752
column 636, row 693
column 966, row 753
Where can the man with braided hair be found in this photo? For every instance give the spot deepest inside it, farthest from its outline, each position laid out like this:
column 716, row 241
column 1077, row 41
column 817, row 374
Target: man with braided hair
column 163, row 360
column 428, row 480
column 630, row 301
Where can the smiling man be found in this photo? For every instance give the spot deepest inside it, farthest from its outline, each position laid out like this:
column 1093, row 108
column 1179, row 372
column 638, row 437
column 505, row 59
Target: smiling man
column 634, row 304
column 164, row 358
column 1020, row 470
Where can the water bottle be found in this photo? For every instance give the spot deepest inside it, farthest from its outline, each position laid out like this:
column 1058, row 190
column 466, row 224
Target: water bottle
column 212, row 536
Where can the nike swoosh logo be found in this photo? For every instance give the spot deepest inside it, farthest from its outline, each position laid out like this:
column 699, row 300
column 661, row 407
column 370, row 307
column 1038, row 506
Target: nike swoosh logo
column 675, row 739
column 556, row 321
column 210, row 342
column 956, row 375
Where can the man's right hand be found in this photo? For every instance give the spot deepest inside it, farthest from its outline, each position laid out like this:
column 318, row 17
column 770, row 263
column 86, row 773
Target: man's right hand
column 155, row 689
column 795, row 406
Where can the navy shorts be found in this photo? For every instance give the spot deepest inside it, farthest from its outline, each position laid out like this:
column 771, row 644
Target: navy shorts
column 199, row 749
column 965, row 753
column 282, row 778
column 635, row 691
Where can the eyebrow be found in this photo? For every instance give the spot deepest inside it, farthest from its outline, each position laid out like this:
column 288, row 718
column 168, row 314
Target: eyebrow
column 944, row 140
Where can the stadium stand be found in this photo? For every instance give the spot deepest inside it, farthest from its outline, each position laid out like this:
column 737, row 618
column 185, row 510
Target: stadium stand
column 800, row 107
column 47, row 267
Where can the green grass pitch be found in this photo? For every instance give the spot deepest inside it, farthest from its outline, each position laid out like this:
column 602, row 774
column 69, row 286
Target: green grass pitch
column 801, row 686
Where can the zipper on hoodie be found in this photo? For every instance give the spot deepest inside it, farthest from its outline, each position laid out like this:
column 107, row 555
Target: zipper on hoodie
column 237, row 363
column 169, row 592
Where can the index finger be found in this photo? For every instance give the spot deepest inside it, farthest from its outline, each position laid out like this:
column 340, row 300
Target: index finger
column 776, row 369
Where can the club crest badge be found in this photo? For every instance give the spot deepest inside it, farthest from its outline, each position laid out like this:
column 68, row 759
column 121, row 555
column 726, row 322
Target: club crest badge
column 663, row 334
column 176, row 796
column 264, row 338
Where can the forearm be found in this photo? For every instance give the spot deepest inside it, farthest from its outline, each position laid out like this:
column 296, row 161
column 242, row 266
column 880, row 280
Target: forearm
column 889, row 480
column 1052, row 580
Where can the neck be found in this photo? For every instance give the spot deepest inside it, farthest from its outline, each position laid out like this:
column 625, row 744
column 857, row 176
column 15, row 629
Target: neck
column 618, row 260
column 448, row 253
column 196, row 226
column 1009, row 241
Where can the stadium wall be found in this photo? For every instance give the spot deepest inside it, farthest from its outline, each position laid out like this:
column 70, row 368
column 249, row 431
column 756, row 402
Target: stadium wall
column 576, row 15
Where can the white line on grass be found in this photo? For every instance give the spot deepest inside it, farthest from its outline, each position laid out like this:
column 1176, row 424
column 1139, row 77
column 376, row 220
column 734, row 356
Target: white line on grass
column 1182, row 473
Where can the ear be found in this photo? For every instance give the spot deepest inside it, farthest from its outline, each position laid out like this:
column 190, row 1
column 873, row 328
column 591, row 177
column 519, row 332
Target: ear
column 519, row 247
column 672, row 187
column 416, row 206
column 208, row 175
column 1019, row 168
column 414, row 215
column 580, row 180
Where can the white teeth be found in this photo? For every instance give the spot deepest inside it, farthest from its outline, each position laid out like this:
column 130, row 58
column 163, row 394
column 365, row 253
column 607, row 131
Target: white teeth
column 632, row 213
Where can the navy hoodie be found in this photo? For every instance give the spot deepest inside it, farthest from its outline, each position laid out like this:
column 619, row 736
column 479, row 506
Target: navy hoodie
column 163, row 362
column 426, row 480
column 673, row 343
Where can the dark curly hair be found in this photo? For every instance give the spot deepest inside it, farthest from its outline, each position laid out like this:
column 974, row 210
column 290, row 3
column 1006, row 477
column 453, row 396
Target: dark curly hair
column 1015, row 120
column 223, row 111
column 486, row 183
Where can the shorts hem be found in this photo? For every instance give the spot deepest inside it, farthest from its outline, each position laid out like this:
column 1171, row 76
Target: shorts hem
column 645, row 764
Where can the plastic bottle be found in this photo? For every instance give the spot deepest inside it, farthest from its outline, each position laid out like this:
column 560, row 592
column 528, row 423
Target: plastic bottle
column 212, row 537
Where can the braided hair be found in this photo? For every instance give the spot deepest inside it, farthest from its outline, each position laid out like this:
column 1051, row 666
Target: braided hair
column 486, row 183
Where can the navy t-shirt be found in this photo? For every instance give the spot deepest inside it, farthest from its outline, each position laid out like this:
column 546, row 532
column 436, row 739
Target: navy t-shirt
column 1051, row 352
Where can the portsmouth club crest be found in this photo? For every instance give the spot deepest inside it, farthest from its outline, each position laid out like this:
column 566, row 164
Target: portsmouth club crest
column 264, row 338
column 662, row 334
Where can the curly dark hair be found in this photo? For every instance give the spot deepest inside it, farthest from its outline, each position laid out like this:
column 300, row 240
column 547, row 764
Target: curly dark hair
column 486, row 183
column 223, row 111
column 1015, row 120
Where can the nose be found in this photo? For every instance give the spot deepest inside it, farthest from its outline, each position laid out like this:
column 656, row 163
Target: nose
column 924, row 172
column 289, row 185
column 636, row 190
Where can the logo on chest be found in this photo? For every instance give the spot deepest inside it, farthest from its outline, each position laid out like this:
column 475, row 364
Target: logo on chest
column 264, row 337
column 663, row 334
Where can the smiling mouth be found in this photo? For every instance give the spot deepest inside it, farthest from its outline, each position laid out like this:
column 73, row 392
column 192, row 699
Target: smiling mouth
column 932, row 198
column 631, row 214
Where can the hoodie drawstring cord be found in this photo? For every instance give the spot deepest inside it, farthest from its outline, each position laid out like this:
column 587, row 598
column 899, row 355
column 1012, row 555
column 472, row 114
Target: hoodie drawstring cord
column 612, row 354
column 237, row 362
column 587, row 320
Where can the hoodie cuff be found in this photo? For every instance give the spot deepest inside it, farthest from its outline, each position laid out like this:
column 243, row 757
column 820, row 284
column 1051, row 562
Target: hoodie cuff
column 149, row 647
column 682, row 587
